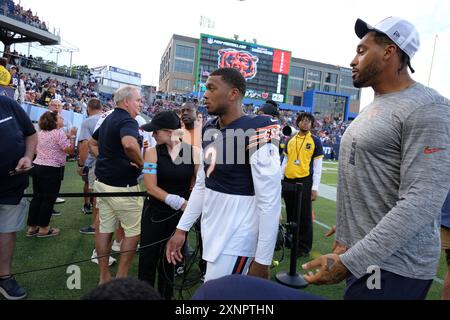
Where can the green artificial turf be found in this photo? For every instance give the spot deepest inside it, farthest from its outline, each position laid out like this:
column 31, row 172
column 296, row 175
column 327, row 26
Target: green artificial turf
column 71, row 246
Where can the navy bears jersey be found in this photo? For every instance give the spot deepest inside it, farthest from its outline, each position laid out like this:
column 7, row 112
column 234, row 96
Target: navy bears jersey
column 238, row 190
column 227, row 152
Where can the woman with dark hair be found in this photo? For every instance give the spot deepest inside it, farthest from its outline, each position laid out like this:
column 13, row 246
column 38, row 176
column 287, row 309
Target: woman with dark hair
column 52, row 150
column 169, row 170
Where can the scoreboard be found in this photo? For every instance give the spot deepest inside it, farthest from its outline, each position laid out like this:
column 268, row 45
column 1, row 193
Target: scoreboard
column 265, row 69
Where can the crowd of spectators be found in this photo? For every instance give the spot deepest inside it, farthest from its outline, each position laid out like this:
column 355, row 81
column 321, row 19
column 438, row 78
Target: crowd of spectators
column 74, row 97
column 16, row 11
column 329, row 130
column 38, row 63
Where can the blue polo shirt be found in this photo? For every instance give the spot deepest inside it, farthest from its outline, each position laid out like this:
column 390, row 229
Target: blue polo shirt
column 15, row 126
column 113, row 166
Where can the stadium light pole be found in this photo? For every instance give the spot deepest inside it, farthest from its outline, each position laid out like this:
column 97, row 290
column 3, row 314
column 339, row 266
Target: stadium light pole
column 432, row 59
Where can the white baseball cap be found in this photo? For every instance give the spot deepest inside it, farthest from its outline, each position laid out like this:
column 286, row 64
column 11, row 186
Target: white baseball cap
column 400, row 31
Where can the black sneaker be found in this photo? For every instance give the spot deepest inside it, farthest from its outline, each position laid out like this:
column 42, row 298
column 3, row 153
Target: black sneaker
column 87, row 209
column 87, row 230
column 56, row 213
column 11, row 290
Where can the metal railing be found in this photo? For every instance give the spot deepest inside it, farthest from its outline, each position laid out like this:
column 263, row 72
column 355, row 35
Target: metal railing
column 4, row 10
column 39, row 64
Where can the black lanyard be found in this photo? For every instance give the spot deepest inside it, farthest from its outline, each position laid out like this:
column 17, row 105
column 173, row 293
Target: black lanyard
column 296, row 145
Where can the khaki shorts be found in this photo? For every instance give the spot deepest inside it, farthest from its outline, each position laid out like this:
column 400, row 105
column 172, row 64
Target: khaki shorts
column 91, row 177
column 124, row 210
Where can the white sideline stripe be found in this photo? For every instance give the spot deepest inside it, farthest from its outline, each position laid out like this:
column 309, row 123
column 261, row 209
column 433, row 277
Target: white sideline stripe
column 322, row 224
column 331, row 195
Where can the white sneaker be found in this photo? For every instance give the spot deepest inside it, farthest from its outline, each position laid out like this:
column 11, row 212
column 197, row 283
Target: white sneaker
column 95, row 260
column 60, row 200
column 116, row 246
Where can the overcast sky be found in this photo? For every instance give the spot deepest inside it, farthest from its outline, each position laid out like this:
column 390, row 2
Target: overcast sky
column 133, row 34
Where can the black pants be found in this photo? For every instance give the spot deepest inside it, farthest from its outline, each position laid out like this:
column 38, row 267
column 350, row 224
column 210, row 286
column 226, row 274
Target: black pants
column 392, row 287
column 201, row 263
column 62, row 178
column 305, row 229
column 46, row 184
column 156, row 226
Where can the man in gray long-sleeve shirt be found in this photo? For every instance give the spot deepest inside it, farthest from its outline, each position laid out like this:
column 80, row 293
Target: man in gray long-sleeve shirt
column 393, row 175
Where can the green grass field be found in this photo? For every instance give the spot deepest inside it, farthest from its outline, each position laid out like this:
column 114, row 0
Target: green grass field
column 71, row 246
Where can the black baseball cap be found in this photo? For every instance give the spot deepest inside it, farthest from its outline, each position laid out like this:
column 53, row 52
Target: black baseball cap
column 163, row 120
column 269, row 109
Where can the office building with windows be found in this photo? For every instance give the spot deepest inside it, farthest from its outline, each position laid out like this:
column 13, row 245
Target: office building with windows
column 177, row 69
column 297, row 84
column 322, row 85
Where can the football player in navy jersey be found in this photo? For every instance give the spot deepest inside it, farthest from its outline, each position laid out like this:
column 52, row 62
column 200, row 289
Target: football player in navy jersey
column 238, row 190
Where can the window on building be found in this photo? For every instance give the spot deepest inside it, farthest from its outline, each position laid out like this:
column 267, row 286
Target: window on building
column 312, row 85
column 183, row 66
column 330, row 106
column 329, row 88
column 298, row 72
column 297, row 101
column 295, row 84
column 290, row 99
column 184, row 52
column 181, row 85
column 330, row 77
column 353, row 93
column 314, row 75
column 346, row 81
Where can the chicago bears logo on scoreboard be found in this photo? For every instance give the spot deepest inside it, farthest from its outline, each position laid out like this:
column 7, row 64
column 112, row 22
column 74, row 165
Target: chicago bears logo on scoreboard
column 243, row 61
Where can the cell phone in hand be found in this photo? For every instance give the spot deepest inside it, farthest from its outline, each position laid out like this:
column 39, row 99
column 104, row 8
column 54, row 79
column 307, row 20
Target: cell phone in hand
column 15, row 172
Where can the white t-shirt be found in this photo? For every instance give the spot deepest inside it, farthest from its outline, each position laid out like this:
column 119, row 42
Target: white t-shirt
column 147, row 136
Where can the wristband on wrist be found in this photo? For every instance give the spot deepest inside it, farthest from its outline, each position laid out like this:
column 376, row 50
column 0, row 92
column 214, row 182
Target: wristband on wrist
column 174, row 201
